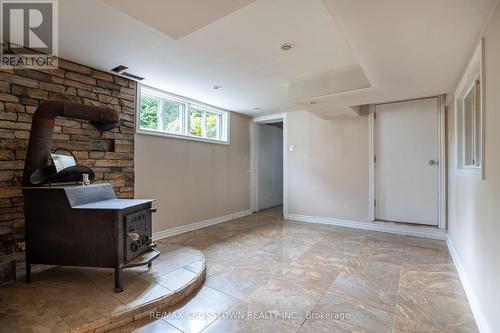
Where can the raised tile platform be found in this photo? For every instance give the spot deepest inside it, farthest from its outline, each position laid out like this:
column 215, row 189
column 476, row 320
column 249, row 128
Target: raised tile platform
column 73, row 299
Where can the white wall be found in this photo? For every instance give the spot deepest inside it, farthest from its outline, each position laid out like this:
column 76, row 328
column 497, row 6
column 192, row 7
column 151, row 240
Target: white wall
column 474, row 204
column 194, row 181
column 270, row 166
column 328, row 169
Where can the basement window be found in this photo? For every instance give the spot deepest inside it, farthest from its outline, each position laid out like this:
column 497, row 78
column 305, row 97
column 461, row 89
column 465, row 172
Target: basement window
column 469, row 110
column 165, row 114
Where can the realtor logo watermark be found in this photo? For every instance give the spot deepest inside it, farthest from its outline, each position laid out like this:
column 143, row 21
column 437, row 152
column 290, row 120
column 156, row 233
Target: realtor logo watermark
column 29, row 34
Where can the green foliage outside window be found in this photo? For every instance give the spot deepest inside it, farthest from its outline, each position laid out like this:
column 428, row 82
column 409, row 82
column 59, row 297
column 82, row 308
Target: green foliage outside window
column 211, row 125
column 171, row 116
column 196, row 122
column 149, row 112
column 202, row 123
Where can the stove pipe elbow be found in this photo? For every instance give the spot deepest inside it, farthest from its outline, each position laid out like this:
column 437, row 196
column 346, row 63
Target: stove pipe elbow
column 42, row 129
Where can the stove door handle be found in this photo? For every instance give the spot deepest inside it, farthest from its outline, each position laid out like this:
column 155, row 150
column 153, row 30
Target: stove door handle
column 133, row 236
column 152, row 210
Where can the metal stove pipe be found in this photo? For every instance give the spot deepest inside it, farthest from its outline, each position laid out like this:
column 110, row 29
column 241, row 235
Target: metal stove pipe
column 42, row 129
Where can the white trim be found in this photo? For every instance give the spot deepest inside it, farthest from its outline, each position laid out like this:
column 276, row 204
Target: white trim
column 442, row 223
column 254, row 166
column 285, row 164
column 371, row 164
column 441, row 114
column 198, row 225
column 254, row 157
column 418, row 231
column 179, row 136
column 475, row 68
column 475, row 305
column 269, row 118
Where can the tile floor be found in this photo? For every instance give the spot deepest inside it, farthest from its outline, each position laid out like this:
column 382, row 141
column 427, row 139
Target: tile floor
column 275, row 275
column 62, row 299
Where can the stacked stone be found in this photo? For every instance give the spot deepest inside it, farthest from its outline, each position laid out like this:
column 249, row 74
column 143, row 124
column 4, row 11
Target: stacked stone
column 109, row 154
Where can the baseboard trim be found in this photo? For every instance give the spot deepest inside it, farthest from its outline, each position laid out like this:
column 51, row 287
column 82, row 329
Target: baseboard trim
column 481, row 321
column 425, row 232
column 198, row 225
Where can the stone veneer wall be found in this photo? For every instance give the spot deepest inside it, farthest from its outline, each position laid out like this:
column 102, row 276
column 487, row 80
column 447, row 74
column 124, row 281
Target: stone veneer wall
column 110, row 154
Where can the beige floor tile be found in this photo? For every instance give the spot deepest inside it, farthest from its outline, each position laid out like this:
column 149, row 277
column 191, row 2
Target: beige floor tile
column 406, row 325
column 40, row 318
column 147, row 326
column 378, row 274
column 437, row 311
column 176, row 279
column 350, row 232
column 238, row 281
column 360, row 291
column 245, row 318
column 283, row 251
column 83, row 302
column 19, row 296
column 275, row 269
column 386, row 237
column 195, row 266
column 345, row 245
column 201, row 310
column 414, row 255
column 313, row 271
column 380, row 251
column 169, row 261
column 283, row 297
column 441, row 279
column 354, row 316
column 326, row 255
column 426, row 243
column 140, row 291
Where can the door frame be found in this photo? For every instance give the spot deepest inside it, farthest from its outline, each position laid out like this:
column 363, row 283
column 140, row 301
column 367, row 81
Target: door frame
column 254, row 158
column 441, row 158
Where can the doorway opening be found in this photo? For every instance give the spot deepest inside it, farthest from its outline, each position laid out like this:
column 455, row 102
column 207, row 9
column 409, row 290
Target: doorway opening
column 268, row 163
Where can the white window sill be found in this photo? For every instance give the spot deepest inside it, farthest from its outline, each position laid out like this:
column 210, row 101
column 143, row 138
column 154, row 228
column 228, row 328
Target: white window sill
column 180, row 136
column 469, row 172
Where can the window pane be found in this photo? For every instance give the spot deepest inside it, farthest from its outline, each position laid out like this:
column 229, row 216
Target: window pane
column 149, row 111
column 212, row 125
column 171, row 116
column 477, row 123
column 469, row 128
column 196, row 122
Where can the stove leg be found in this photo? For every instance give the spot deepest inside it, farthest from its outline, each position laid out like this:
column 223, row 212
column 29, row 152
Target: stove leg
column 28, row 272
column 150, row 264
column 118, row 280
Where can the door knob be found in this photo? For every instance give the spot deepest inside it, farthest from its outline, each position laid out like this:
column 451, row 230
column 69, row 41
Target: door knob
column 432, row 162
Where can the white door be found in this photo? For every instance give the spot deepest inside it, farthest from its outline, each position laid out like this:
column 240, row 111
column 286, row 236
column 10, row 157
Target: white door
column 406, row 167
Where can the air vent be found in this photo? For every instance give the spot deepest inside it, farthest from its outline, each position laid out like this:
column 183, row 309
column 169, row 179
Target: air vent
column 122, row 71
column 119, row 69
column 132, row 76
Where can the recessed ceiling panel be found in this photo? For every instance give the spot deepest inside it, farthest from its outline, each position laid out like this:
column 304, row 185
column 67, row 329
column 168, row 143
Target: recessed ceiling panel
column 331, row 83
column 177, row 18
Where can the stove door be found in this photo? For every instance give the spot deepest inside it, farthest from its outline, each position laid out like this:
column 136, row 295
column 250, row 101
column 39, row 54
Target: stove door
column 137, row 233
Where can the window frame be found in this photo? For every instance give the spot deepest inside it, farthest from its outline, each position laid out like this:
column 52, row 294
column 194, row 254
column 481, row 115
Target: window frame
column 185, row 130
column 476, row 154
column 471, row 81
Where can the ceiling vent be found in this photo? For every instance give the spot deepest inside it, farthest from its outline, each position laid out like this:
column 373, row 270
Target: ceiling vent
column 122, row 71
column 119, row 69
column 132, row 76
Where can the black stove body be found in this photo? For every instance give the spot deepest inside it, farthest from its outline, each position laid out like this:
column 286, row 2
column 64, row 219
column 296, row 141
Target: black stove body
column 87, row 226
column 79, row 225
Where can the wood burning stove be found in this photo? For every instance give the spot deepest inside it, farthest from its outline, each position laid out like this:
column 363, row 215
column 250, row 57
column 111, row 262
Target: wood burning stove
column 87, row 226
column 76, row 225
